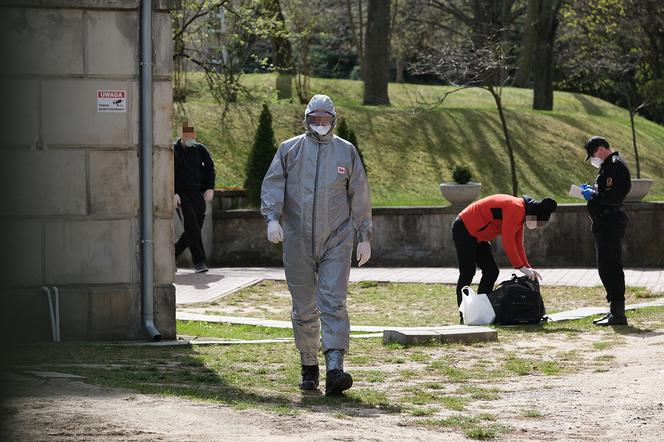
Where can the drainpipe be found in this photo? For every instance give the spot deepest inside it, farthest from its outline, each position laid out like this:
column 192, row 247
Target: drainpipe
column 147, row 243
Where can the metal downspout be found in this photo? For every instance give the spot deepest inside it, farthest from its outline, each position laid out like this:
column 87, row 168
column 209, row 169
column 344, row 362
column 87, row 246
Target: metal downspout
column 147, row 244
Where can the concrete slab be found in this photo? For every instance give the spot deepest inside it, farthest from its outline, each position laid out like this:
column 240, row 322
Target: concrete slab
column 112, row 42
column 44, row 41
column 186, row 316
column 99, row 252
column 54, row 375
column 577, row 313
column 193, row 288
column 53, row 182
column 445, row 335
column 114, row 183
column 70, row 117
column 168, row 343
column 21, row 125
column 411, row 337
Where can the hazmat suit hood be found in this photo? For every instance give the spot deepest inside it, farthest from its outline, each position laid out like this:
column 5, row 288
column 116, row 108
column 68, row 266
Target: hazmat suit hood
column 324, row 103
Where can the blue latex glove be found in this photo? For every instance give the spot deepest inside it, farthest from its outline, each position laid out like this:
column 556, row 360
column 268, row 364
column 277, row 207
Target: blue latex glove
column 585, row 186
column 588, row 193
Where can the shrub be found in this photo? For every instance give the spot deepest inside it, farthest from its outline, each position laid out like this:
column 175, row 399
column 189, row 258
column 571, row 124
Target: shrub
column 347, row 133
column 262, row 153
column 461, row 173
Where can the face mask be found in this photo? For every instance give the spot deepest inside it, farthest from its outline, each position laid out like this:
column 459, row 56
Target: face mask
column 321, row 130
column 189, row 143
column 531, row 224
column 597, row 162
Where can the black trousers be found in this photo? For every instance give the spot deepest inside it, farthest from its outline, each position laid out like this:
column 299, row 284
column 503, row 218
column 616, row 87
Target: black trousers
column 192, row 207
column 470, row 255
column 608, row 244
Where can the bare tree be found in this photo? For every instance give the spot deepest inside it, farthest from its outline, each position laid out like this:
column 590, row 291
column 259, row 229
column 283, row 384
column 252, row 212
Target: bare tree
column 467, row 66
column 217, row 37
column 301, row 24
column 283, row 52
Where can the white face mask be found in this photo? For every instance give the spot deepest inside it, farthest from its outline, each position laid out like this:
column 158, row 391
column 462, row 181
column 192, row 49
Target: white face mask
column 531, row 224
column 597, row 162
column 189, row 143
column 321, row 130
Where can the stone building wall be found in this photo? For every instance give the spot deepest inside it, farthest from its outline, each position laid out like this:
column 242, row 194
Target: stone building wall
column 71, row 219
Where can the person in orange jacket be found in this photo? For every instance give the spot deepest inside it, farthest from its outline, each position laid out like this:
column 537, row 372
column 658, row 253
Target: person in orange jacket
column 486, row 219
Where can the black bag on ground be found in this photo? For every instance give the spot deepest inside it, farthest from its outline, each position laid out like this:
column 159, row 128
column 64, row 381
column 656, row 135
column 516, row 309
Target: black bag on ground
column 517, row 301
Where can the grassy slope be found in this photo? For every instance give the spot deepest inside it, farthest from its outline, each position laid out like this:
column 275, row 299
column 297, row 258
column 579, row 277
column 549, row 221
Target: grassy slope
column 410, row 145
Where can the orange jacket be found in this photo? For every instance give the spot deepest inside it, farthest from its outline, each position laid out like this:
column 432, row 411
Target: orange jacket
column 499, row 215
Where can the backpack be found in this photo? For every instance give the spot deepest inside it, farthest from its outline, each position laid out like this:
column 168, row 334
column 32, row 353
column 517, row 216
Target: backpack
column 518, row 301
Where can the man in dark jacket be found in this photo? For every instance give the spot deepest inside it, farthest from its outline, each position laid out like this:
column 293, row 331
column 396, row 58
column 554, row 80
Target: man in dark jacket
column 194, row 185
column 605, row 199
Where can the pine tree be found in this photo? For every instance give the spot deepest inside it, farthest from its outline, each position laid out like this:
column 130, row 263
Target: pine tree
column 347, row 133
column 262, row 153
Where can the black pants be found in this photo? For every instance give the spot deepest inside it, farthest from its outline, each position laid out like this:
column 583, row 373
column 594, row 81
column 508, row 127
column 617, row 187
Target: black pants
column 192, row 206
column 470, row 255
column 608, row 245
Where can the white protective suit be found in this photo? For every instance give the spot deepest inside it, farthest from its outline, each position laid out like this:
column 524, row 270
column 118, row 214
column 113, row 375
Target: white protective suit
column 317, row 188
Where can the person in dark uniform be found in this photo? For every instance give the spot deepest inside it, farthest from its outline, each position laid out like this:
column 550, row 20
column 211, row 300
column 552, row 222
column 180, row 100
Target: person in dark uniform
column 605, row 199
column 485, row 220
column 194, row 185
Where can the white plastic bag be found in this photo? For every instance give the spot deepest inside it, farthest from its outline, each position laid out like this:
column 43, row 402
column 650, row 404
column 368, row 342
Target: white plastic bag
column 476, row 309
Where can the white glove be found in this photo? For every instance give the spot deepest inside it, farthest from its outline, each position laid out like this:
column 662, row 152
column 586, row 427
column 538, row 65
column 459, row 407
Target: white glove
column 531, row 273
column 177, row 200
column 208, row 195
column 363, row 252
column 275, row 233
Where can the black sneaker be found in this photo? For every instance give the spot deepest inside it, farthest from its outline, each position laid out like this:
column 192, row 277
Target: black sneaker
column 336, row 382
column 200, row 268
column 309, row 377
column 612, row 319
column 595, row 321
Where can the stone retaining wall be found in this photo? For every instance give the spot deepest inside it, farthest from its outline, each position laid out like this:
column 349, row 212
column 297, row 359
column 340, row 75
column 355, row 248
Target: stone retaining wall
column 421, row 236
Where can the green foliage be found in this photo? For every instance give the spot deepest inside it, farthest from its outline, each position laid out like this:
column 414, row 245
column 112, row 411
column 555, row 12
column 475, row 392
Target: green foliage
column 461, row 173
column 262, row 153
column 347, row 133
column 409, row 146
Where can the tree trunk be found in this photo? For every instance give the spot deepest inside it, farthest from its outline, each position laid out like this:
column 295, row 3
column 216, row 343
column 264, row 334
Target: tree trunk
column 547, row 23
column 400, row 70
column 525, row 63
column 636, row 151
column 377, row 53
column 508, row 143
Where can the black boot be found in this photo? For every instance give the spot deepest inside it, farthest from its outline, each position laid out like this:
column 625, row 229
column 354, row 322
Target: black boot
column 309, row 377
column 337, row 382
column 616, row 317
column 460, row 318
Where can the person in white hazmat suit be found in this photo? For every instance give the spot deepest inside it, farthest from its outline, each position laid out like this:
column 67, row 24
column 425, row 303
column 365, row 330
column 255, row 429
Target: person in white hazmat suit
column 314, row 197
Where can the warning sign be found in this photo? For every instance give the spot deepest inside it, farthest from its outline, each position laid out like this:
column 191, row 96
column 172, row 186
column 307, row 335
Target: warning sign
column 112, row 101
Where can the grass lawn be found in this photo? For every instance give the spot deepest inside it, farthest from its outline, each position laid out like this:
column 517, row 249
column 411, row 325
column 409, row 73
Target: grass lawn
column 435, row 386
column 413, row 139
column 373, row 303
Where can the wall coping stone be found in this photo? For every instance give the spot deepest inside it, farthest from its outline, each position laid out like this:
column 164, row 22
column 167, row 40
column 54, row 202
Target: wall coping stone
column 433, row 210
column 157, row 5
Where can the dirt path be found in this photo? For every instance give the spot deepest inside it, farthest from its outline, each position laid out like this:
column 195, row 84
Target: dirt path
column 625, row 403
column 630, row 407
